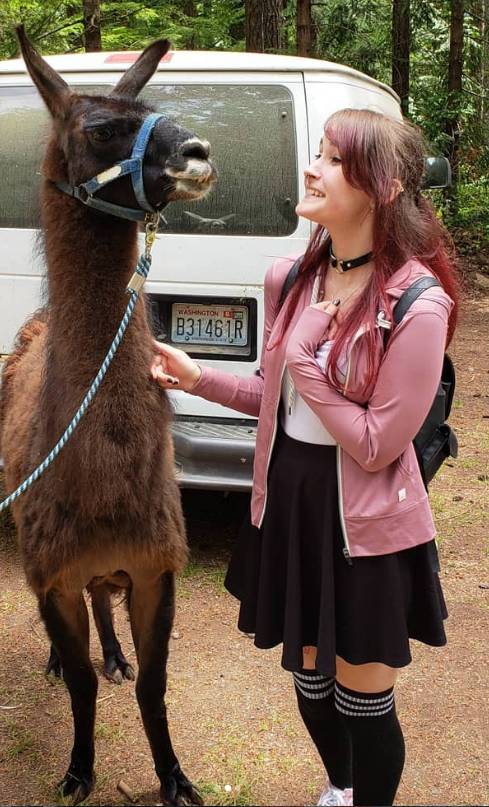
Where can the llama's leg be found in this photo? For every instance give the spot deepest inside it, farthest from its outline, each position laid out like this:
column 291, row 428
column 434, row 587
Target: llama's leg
column 116, row 666
column 66, row 619
column 54, row 664
column 151, row 610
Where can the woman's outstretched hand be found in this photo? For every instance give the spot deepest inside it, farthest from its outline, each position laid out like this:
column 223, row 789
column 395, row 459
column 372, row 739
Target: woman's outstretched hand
column 173, row 368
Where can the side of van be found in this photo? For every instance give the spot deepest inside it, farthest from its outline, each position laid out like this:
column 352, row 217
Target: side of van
column 263, row 116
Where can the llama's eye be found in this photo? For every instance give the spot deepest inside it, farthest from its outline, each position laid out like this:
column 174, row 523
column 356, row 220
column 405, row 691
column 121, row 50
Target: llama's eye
column 101, row 134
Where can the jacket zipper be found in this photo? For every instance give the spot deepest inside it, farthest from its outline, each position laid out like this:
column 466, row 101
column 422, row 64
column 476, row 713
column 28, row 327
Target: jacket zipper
column 271, row 446
column 346, row 548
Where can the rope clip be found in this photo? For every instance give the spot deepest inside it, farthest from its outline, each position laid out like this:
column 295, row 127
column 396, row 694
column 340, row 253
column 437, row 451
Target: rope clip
column 151, row 232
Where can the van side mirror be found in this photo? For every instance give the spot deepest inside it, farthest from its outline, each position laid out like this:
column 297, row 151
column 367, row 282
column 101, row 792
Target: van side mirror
column 438, row 173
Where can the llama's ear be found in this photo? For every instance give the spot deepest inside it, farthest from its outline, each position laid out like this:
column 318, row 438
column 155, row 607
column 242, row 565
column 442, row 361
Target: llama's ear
column 134, row 79
column 52, row 88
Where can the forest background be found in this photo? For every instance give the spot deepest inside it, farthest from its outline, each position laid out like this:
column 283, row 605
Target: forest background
column 434, row 53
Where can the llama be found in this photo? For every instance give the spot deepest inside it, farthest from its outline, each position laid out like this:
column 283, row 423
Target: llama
column 108, row 511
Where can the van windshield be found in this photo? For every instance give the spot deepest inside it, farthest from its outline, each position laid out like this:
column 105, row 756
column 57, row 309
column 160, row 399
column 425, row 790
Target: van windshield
column 252, row 134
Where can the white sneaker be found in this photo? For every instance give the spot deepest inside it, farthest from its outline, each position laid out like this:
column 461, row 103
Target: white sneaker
column 332, row 796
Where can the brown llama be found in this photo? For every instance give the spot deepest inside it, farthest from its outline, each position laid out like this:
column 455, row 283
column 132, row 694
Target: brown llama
column 108, row 511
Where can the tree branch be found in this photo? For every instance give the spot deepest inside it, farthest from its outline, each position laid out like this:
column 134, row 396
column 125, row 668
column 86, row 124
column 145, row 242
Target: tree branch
column 60, row 28
column 479, row 94
column 484, row 96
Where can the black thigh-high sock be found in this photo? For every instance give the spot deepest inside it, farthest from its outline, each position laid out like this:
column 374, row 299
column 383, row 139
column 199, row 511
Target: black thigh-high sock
column 377, row 744
column 326, row 726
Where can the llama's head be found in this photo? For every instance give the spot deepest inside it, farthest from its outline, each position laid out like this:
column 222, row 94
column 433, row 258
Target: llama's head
column 92, row 133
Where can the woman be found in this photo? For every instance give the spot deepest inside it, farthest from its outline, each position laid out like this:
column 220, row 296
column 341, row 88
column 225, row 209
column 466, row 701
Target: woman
column 339, row 562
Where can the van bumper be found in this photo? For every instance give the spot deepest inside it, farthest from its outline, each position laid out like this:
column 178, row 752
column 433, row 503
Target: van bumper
column 214, row 454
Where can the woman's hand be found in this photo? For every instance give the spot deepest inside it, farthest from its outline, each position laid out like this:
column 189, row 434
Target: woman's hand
column 173, row 368
column 331, row 308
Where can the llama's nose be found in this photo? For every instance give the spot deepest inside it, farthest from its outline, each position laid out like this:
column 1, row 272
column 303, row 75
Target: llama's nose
column 196, row 149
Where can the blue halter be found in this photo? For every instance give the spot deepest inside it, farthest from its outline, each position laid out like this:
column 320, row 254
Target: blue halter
column 134, row 166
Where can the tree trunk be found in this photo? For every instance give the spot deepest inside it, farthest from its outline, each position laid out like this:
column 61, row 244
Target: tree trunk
column 91, row 25
column 262, row 25
column 485, row 70
column 477, row 9
column 455, row 66
column 482, row 12
column 254, row 26
column 272, row 23
column 401, row 46
column 304, row 27
column 190, row 8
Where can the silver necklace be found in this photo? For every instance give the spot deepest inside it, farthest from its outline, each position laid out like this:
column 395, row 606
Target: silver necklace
column 335, row 294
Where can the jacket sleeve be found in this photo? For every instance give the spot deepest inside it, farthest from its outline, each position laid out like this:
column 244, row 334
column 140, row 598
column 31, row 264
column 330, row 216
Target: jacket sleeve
column 244, row 393
column 408, row 378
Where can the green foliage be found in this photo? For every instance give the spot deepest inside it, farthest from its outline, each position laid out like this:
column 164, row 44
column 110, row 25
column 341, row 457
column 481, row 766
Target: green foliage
column 357, row 34
column 473, row 211
column 56, row 26
column 52, row 24
column 431, row 104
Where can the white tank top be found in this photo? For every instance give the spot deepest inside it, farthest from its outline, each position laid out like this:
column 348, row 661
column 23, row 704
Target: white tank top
column 297, row 418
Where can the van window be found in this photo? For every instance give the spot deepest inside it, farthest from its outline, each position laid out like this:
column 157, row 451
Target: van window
column 252, row 134
column 23, row 126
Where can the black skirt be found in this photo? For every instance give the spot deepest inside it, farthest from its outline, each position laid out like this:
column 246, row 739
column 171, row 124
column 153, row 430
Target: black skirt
column 297, row 589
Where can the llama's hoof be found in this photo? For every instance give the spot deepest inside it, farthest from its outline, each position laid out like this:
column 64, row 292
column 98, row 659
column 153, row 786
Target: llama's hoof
column 76, row 787
column 54, row 665
column 178, row 790
column 116, row 668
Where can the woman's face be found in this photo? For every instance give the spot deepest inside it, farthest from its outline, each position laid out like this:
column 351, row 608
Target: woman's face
column 329, row 199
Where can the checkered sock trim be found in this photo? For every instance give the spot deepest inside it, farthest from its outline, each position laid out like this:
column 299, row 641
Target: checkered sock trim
column 362, row 704
column 315, row 686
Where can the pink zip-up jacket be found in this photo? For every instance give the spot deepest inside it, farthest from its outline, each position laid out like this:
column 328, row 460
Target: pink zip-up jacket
column 383, row 504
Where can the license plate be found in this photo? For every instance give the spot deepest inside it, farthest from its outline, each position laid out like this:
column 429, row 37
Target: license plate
column 195, row 324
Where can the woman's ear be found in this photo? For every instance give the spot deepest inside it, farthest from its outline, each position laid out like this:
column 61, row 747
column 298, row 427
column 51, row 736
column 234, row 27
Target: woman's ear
column 396, row 189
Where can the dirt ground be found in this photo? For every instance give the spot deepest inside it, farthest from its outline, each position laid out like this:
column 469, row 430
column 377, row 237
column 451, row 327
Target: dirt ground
column 231, row 707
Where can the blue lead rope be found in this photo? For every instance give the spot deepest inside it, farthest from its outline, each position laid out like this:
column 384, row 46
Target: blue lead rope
column 134, row 287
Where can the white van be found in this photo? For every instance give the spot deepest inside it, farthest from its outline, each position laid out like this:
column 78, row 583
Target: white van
column 263, row 116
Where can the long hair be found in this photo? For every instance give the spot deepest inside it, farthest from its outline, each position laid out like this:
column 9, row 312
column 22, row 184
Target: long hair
column 376, row 149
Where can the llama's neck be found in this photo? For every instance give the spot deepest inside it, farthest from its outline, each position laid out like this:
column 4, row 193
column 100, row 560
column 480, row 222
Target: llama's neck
column 90, row 256
column 90, row 259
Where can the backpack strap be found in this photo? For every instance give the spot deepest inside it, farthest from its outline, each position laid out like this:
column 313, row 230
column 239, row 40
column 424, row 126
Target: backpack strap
column 289, row 280
column 406, row 300
column 411, row 294
column 448, row 381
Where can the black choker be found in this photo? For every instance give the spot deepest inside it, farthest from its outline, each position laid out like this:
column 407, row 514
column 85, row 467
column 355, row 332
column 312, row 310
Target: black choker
column 344, row 266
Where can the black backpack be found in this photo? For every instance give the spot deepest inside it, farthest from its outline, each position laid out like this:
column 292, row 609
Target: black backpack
column 435, row 440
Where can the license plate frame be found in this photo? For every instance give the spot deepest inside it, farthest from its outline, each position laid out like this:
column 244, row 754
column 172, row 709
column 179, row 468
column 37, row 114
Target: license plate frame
column 161, row 319
column 210, row 327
